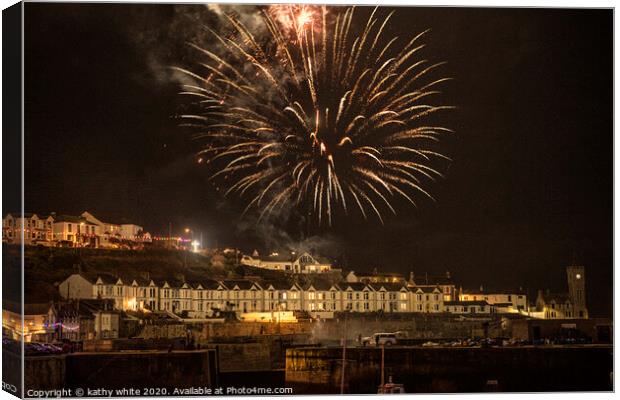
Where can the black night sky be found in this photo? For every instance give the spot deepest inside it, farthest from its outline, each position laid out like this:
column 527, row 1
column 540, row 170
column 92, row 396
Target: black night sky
column 530, row 184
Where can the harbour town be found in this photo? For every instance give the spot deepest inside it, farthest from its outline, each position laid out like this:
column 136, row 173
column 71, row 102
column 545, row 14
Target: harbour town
column 252, row 317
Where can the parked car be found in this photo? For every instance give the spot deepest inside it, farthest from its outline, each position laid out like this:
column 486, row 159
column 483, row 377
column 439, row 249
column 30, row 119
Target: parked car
column 380, row 339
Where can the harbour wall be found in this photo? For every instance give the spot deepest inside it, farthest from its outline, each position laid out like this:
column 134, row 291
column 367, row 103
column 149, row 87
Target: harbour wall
column 446, row 370
column 117, row 370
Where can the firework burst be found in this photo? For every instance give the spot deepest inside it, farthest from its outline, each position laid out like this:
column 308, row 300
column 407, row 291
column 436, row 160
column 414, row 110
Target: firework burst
column 317, row 114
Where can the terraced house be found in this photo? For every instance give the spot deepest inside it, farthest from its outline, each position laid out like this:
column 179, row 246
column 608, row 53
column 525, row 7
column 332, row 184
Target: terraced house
column 199, row 299
column 320, row 298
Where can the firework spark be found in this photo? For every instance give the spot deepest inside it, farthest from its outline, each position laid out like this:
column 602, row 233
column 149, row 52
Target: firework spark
column 317, row 114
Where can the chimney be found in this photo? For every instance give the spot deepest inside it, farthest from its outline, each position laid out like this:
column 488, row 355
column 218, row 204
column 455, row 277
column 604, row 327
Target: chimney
column 374, row 271
column 411, row 276
column 481, row 289
column 146, row 275
column 448, row 274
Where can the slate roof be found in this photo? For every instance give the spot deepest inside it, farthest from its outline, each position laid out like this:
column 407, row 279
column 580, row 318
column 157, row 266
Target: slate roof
column 128, row 280
column 210, row 284
column 243, row 284
column 558, row 298
column 19, row 215
column 172, row 282
column 85, row 308
column 107, row 279
column 390, row 287
column 491, row 292
column 278, row 284
column 424, row 289
column 282, row 256
column 318, row 285
column 288, row 256
column 73, row 219
column 357, row 286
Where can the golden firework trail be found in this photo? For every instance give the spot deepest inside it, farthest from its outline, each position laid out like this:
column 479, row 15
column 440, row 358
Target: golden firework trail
column 317, row 113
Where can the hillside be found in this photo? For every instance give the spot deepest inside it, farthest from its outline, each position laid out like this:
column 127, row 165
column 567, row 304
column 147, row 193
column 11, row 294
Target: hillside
column 46, row 267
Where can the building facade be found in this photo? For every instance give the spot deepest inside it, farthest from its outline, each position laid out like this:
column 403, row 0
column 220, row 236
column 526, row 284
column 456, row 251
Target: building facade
column 516, row 299
column 69, row 231
column 288, row 261
column 565, row 305
column 29, row 229
column 201, row 299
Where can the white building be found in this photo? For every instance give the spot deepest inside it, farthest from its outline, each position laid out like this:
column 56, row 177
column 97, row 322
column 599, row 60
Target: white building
column 374, row 277
column 201, row 299
column 33, row 228
column 443, row 282
column 426, row 299
column 469, row 307
column 68, row 231
column 75, row 231
column 516, row 300
column 111, row 235
column 288, row 261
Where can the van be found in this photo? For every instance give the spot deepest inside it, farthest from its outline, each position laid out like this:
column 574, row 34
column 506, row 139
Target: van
column 379, row 339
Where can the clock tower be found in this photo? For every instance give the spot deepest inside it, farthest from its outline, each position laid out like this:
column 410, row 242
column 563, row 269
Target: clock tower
column 576, row 275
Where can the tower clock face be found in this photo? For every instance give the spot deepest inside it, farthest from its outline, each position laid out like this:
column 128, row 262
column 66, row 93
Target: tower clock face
column 578, row 276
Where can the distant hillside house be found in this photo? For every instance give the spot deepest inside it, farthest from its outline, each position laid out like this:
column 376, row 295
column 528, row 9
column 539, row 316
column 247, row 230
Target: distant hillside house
column 111, row 235
column 298, row 263
column 75, row 231
column 29, row 228
column 68, row 231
